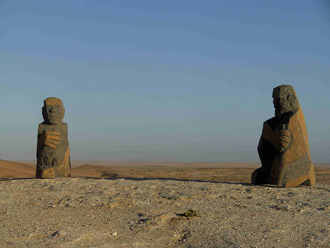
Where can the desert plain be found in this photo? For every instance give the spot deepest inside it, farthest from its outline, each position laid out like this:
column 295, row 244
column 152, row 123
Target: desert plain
column 144, row 204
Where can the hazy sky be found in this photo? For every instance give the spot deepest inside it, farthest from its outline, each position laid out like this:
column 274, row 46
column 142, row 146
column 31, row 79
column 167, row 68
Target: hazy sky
column 162, row 80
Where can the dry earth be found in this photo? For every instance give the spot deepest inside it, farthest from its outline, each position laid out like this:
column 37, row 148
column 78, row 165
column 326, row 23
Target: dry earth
column 143, row 212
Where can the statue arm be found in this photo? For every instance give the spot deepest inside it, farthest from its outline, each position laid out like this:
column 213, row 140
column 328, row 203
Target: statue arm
column 38, row 145
column 267, row 152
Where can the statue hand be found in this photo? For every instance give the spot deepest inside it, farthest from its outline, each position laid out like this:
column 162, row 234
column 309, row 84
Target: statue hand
column 52, row 139
column 285, row 139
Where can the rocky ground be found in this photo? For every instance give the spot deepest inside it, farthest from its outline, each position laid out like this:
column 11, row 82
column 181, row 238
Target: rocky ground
column 81, row 212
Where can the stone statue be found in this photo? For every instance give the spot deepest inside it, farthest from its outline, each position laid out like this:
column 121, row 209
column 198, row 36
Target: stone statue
column 53, row 153
column 283, row 147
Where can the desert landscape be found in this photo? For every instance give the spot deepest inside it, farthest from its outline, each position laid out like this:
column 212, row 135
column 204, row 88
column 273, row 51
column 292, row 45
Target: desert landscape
column 146, row 204
column 111, row 108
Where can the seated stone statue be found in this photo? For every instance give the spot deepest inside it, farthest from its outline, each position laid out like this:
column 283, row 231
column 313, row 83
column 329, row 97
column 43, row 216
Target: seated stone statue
column 283, row 147
column 53, row 154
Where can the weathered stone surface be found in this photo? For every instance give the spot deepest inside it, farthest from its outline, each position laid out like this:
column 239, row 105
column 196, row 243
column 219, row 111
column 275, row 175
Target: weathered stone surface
column 283, row 147
column 53, row 153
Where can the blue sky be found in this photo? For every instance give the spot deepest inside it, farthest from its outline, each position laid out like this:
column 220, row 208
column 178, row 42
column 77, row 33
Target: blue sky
column 162, row 80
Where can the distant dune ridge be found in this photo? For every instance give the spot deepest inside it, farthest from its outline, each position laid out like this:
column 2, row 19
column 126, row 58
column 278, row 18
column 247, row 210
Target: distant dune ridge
column 10, row 169
column 204, row 171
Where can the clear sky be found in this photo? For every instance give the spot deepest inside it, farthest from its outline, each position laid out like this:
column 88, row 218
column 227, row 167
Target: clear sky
column 162, row 80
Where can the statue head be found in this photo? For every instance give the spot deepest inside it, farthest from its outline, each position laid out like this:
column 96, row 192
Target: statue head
column 53, row 111
column 285, row 99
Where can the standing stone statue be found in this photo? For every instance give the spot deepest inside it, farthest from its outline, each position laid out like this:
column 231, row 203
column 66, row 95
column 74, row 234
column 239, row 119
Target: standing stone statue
column 283, row 147
column 53, row 153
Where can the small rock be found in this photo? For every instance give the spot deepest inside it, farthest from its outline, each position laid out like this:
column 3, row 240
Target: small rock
column 191, row 213
column 326, row 209
column 57, row 233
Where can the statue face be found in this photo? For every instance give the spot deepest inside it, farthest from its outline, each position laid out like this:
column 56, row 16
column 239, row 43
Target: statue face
column 53, row 111
column 284, row 99
column 281, row 105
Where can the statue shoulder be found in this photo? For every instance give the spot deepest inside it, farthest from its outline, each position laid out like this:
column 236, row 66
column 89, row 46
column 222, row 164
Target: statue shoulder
column 59, row 127
column 65, row 125
column 41, row 127
column 272, row 123
column 280, row 120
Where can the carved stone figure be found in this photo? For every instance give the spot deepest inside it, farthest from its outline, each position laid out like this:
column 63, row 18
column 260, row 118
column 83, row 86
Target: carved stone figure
column 283, row 147
column 53, row 153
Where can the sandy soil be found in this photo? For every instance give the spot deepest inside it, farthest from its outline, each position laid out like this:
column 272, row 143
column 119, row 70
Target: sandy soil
column 81, row 212
column 141, row 211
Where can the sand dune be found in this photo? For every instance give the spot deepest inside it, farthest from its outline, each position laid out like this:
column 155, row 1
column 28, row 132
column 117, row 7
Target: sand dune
column 9, row 169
